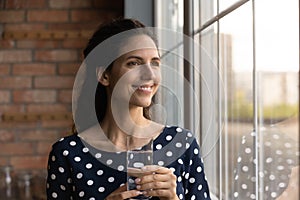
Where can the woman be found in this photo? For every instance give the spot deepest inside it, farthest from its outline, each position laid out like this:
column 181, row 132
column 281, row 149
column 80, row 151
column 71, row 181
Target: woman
column 91, row 164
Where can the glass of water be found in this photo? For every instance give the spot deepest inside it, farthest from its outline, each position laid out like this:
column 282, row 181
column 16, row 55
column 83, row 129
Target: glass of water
column 138, row 158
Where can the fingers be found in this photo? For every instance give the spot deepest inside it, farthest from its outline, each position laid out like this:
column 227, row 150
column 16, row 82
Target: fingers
column 160, row 182
column 160, row 174
column 156, row 181
column 121, row 193
column 155, row 178
column 129, row 194
column 155, row 185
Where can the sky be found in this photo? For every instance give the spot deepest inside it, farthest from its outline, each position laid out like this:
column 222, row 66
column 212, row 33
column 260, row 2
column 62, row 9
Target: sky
column 277, row 35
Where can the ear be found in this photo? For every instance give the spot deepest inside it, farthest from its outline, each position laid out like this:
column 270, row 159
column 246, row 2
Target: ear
column 102, row 76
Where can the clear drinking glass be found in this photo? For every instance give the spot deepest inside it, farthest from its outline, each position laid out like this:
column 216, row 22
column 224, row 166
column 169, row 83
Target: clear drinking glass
column 138, row 158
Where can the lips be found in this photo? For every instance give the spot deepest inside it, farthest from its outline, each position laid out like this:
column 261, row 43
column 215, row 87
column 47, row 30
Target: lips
column 144, row 88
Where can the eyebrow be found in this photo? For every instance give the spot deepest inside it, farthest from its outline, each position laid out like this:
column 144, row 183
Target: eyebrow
column 140, row 58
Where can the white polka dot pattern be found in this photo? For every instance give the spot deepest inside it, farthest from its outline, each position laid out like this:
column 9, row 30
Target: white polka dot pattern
column 280, row 154
column 79, row 171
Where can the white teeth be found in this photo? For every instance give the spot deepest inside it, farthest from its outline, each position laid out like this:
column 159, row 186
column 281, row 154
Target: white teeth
column 145, row 88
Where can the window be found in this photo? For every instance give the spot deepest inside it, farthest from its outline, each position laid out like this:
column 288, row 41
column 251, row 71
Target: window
column 245, row 82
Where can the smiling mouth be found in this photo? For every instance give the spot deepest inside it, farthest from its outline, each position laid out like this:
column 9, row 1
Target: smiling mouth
column 144, row 88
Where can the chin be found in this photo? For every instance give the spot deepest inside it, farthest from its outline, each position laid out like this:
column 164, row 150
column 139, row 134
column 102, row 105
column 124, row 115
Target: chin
column 141, row 101
column 143, row 104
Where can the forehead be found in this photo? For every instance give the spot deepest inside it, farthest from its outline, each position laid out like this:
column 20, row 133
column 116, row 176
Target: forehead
column 149, row 53
column 136, row 43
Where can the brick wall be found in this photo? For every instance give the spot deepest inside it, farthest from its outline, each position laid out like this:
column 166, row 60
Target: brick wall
column 37, row 73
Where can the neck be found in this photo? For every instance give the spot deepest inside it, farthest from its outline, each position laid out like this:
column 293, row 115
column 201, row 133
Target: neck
column 132, row 123
column 126, row 122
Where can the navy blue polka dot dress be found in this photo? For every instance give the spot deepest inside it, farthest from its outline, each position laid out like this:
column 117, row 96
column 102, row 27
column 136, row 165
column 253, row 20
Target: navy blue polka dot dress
column 77, row 170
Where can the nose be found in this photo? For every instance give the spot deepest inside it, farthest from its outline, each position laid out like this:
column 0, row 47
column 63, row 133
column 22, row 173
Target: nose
column 149, row 72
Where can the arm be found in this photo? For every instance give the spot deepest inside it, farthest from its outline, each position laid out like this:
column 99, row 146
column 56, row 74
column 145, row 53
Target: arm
column 195, row 181
column 59, row 182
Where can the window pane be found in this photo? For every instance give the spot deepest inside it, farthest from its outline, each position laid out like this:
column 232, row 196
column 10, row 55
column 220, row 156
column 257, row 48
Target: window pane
column 277, row 61
column 236, row 71
column 209, row 88
column 196, row 12
column 249, row 126
column 224, row 4
column 208, row 9
column 169, row 20
column 169, row 14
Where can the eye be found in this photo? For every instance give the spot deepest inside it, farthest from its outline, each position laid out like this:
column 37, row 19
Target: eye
column 155, row 63
column 133, row 63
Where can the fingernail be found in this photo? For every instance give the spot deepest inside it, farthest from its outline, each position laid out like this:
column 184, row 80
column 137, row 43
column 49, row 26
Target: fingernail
column 137, row 180
column 138, row 187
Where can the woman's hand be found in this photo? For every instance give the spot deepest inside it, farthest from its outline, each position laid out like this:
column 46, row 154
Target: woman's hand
column 122, row 193
column 161, row 182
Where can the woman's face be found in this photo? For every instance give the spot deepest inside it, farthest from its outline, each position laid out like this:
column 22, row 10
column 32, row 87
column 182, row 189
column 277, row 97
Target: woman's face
column 135, row 76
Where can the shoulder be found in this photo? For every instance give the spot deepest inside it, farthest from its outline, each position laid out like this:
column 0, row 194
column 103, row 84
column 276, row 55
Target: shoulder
column 175, row 135
column 65, row 142
column 177, row 130
column 175, row 145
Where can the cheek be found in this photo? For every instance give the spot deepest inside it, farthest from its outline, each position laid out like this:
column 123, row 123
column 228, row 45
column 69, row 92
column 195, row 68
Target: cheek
column 158, row 76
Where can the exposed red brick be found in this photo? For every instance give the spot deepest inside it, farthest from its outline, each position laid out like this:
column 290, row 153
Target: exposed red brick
column 24, row 27
column 58, row 82
column 91, row 15
column 15, row 82
column 56, row 55
column 29, row 162
column 11, row 16
column 6, row 136
column 48, row 16
column 65, row 96
column 10, row 108
column 7, row 44
column 38, row 44
column 75, row 43
column 21, row 4
column 32, row 69
column 16, row 148
column 92, row 25
column 38, row 135
column 4, row 96
column 15, row 56
column 58, row 124
column 34, row 96
column 68, row 68
column 4, row 69
column 40, row 108
column 43, row 148
column 20, row 125
column 66, row 133
column 4, row 161
column 70, row 3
